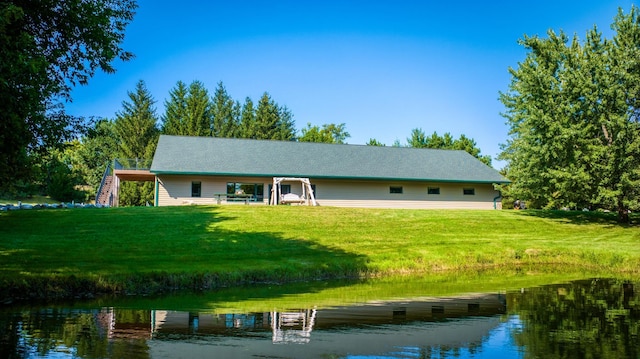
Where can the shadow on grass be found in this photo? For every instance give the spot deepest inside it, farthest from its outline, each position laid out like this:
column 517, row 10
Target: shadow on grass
column 583, row 217
column 148, row 251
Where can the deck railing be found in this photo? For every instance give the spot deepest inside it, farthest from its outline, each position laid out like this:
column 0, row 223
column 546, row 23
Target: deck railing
column 131, row 164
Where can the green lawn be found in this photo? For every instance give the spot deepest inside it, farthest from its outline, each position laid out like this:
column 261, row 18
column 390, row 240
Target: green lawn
column 157, row 249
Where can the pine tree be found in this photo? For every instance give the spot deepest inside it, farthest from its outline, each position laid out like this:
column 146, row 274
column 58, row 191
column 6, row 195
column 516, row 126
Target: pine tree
column 225, row 114
column 137, row 134
column 248, row 120
column 173, row 122
column 273, row 122
column 199, row 111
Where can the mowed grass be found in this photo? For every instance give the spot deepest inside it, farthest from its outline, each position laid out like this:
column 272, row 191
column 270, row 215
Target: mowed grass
column 156, row 249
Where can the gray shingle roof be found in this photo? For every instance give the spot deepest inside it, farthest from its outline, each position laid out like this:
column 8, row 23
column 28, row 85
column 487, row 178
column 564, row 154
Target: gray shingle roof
column 242, row 157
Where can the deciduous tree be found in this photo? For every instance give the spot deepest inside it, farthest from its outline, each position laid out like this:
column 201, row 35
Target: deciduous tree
column 329, row 133
column 572, row 109
column 47, row 47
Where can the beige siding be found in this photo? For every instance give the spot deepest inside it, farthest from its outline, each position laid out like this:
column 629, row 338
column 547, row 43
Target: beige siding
column 414, row 195
column 176, row 190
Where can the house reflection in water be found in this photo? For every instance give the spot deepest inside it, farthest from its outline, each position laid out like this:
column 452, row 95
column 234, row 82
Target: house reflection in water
column 296, row 326
column 369, row 328
column 374, row 327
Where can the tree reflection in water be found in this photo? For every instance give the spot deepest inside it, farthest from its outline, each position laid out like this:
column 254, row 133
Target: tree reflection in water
column 597, row 318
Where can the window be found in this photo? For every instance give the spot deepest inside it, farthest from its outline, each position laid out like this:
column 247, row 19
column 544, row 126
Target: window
column 395, row 189
column 252, row 189
column 196, row 189
column 469, row 191
column 433, row 190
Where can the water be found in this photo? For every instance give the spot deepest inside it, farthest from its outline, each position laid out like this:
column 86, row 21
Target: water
column 593, row 318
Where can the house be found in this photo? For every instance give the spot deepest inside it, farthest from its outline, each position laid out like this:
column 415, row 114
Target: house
column 208, row 170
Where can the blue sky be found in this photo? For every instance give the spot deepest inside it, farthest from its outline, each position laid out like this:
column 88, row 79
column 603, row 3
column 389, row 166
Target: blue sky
column 381, row 67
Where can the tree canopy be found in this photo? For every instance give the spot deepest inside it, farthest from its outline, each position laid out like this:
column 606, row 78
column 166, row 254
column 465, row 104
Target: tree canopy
column 572, row 108
column 44, row 54
column 329, row 133
column 419, row 139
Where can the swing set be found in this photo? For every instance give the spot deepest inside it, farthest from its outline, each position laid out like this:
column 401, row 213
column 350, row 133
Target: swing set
column 307, row 197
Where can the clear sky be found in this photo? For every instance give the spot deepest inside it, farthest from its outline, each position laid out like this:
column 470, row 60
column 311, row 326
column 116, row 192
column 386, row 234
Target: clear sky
column 381, row 67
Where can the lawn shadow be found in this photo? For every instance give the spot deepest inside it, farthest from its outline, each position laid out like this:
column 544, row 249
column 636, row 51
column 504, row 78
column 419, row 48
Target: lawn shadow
column 609, row 219
column 148, row 251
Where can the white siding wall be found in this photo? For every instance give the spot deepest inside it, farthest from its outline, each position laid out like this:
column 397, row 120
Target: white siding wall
column 176, row 190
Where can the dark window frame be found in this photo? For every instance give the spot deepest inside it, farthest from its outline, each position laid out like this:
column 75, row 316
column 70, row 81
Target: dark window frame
column 395, row 189
column 433, row 190
column 469, row 191
column 196, row 188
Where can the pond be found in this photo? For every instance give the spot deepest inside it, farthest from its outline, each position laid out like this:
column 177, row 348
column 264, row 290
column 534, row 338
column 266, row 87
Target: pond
column 586, row 318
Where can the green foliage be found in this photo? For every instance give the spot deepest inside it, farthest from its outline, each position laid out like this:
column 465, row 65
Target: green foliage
column 248, row 124
column 330, row 133
column 137, row 134
column 43, row 56
column 374, row 142
column 226, row 114
column 572, row 110
column 594, row 316
column 97, row 149
column 418, row 139
column 188, row 112
column 272, row 122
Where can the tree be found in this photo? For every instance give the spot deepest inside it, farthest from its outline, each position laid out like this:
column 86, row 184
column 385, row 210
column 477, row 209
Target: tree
column 225, row 114
column 98, row 149
column 272, row 122
column 572, row 109
column 374, row 142
column 330, row 133
column 199, row 111
column 44, row 54
column 137, row 134
column 418, row 139
column 189, row 111
column 247, row 120
column 173, row 121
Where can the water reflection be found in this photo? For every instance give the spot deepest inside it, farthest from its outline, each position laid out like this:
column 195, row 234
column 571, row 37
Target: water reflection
column 594, row 318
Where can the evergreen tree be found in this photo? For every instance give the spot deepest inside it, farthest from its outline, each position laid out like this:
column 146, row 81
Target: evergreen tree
column 286, row 125
column 189, row 111
column 418, row 139
column 173, row 122
column 199, row 111
column 273, row 122
column 225, row 114
column 137, row 134
column 248, row 125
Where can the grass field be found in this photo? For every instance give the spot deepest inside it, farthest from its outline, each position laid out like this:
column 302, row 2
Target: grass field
column 49, row 253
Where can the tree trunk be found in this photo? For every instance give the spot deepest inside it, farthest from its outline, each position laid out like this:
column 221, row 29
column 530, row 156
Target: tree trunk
column 623, row 213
